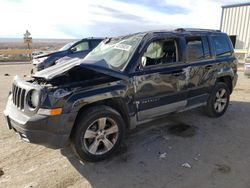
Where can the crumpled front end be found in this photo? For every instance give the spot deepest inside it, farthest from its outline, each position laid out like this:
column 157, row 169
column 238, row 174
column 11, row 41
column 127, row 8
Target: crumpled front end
column 50, row 130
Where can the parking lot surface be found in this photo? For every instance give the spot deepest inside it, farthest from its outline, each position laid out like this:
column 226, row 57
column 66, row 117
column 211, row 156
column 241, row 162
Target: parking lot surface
column 182, row 150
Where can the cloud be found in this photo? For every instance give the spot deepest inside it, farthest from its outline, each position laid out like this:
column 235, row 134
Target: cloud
column 78, row 19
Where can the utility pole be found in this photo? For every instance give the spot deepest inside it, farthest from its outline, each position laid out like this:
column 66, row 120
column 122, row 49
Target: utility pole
column 28, row 40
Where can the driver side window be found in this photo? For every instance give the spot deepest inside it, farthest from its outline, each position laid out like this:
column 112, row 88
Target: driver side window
column 81, row 47
column 158, row 52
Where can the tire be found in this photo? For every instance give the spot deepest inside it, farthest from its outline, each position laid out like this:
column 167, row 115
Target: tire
column 99, row 132
column 218, row 100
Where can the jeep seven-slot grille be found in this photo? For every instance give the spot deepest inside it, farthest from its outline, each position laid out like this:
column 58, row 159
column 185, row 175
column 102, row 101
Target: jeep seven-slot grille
column 18, row 96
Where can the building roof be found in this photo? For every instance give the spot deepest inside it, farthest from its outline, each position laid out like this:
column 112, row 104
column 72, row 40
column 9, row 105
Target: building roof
column 236, row 5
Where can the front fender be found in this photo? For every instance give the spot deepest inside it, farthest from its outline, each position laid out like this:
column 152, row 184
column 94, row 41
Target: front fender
column 78, row 100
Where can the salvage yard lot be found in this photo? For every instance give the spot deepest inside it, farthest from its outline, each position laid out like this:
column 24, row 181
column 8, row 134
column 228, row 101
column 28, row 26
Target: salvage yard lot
column 217, row 150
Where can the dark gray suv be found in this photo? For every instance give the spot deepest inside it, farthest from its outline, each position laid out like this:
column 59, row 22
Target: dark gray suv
column 123, row 82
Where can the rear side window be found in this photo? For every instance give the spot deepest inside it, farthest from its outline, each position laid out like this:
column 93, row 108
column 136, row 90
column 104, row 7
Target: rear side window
column 197, row 48
column 221, row 45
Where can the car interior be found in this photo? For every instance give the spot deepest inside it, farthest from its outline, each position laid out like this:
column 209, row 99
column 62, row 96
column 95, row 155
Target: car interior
column 160, row 52
column 81, row 47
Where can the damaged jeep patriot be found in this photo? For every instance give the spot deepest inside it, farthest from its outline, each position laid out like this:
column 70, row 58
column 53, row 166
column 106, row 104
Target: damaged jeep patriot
column 125, row 81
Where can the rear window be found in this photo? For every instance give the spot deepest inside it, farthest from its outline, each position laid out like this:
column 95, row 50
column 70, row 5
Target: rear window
column 221, row 44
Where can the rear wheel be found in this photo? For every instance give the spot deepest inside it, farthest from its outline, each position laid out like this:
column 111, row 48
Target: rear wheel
column 218, row 101
column 98, row 134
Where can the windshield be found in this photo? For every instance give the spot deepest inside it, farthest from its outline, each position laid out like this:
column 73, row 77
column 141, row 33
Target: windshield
column 116, row 51
column 66, row 46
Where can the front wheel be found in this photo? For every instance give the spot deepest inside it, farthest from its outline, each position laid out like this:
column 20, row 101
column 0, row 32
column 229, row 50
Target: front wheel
column 218, row 100
column 98, row 134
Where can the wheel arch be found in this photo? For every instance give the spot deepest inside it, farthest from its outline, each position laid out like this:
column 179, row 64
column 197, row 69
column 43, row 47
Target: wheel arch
column 116, row 103
column 227, row 79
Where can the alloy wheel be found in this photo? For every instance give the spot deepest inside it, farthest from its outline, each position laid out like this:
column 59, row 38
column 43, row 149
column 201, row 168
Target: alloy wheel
column 221, row 100
column 101, row 136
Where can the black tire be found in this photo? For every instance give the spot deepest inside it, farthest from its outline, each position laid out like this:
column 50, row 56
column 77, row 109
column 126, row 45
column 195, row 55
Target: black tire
column 211, row 108
column 86, row 121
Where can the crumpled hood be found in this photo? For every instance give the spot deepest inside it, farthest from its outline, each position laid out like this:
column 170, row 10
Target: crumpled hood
column 62, row 68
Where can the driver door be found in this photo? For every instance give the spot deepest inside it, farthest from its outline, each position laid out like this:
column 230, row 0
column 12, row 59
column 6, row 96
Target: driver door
column 160, row 84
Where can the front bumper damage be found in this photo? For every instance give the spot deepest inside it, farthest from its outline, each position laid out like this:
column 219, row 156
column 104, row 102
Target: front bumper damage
column 50, row 131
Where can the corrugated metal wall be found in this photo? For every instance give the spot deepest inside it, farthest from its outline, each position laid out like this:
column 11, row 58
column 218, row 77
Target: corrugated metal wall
column 236, row 21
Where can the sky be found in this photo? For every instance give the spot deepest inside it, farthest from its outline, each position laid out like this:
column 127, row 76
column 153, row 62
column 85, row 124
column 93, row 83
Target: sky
column 71, row 19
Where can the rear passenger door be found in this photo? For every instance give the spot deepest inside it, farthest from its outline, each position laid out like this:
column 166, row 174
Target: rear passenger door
column 201, row 66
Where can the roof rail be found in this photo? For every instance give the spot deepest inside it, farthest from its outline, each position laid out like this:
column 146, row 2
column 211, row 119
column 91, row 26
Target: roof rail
column 195, row 29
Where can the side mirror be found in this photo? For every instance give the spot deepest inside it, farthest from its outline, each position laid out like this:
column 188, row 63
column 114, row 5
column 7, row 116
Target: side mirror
column 141, row 63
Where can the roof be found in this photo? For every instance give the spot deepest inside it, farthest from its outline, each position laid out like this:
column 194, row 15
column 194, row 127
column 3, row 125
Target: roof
column 184, row 30
column 93, row 38
column 172, row 31
column 196, row 29
column 236, row 5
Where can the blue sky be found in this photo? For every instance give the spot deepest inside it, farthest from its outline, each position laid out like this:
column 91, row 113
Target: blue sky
column 86, row 18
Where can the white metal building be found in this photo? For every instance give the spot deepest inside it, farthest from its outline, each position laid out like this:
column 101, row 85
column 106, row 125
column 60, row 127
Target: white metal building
column 235, row 21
